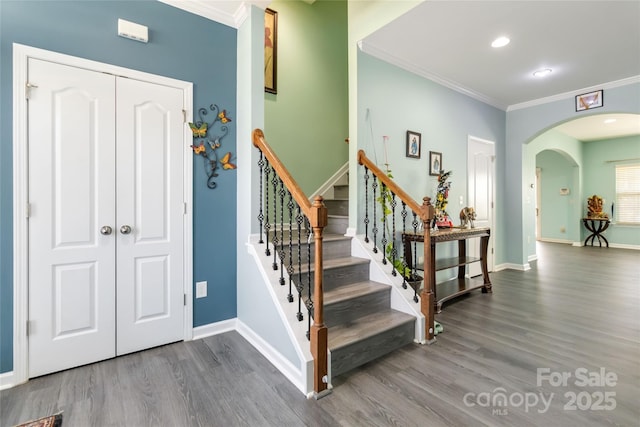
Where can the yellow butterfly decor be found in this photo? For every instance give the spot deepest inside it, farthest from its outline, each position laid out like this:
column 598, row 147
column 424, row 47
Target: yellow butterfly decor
column 225, row 162
column 223, row 117
column 199, row 149
column 198, row 131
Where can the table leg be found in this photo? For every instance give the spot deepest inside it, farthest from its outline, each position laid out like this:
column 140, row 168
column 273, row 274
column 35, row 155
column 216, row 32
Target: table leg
column 484, row 246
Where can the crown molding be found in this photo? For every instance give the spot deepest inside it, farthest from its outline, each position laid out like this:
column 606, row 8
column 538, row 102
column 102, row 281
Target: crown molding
column 230, row 13
column 573, row 93
column 412, row 68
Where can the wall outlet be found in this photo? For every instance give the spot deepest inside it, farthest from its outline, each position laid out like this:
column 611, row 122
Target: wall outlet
column 201, row 289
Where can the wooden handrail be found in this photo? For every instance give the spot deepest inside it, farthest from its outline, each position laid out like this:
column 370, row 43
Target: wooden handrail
column 426, row 212
column 316, row 212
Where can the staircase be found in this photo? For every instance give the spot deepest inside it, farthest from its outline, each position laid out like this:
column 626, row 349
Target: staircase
column 357, row 311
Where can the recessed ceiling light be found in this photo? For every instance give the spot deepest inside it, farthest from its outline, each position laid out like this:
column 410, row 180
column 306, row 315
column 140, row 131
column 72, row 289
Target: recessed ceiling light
column 542, row 73
column 608, row 121
column 500, row 42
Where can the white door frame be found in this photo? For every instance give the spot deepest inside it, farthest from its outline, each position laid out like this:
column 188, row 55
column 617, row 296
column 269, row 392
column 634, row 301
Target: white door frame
column 21, row 54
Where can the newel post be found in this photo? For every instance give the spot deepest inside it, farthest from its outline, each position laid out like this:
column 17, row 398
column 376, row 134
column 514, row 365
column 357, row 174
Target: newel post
column 427, row 296
column 318, row 333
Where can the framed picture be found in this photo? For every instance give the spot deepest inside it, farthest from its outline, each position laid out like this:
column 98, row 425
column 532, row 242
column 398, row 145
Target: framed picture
column 435, row 163
column 414, row 144
column 589, row 100
column 270, row 50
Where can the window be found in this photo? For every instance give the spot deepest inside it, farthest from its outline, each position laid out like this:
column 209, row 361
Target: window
column 628, row 194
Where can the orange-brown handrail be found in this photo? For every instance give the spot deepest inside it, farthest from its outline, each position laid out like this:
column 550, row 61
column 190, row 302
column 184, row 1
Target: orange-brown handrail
column 426, row 213
column 316, row 212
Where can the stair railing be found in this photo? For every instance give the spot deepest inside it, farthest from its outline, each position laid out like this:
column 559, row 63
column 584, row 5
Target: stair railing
column 305, row 214
column 382, row 195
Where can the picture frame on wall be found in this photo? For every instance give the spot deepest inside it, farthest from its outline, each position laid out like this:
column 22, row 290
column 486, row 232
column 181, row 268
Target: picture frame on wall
column 270, row 51
column 414, row 144
column 590, row 100
column 435, row 163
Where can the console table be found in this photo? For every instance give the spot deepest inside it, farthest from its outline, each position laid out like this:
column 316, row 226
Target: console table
column 596, row 226
column 453, row 288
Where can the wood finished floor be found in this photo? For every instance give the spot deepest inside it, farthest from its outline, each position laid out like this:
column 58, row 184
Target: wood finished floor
column 576, row 308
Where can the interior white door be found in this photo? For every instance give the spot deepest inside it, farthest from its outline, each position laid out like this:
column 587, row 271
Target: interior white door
column 150, row 214
column 481, row 172
column 106, row 230
column 71, row 133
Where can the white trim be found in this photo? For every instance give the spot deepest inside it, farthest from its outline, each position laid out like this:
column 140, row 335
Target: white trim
column 412, row 68
column 624, row 246
column 532, row 258
column 351, row 232
column 577, row 244
column 512, row 266
column 333, row 180
column 572, row 94
column 286, row 368
column 21, row 55
column 552, row 240
column 215, row 328
column 7, row 380
column 234, row 16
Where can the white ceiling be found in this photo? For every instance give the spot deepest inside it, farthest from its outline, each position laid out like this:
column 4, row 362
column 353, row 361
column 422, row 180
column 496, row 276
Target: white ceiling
column 592, row 44
column 589, row 45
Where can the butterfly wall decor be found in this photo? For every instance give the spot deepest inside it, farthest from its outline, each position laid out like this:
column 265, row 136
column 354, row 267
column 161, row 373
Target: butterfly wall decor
column 206, row 143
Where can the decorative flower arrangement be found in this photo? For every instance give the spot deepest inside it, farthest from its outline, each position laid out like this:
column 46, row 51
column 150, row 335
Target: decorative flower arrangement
column 442, row 195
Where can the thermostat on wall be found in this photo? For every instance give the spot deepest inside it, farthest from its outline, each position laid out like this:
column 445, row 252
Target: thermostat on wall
column 133, row 31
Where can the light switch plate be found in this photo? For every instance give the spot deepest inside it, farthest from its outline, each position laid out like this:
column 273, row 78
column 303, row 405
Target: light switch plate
column 201, row 289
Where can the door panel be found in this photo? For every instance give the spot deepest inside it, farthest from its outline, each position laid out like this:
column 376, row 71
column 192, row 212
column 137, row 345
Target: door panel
column 150, row 201
column 480, row 161
column 71, row 191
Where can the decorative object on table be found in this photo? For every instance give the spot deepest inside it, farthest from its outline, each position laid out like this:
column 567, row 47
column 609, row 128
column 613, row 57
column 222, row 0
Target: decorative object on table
column 414, row 144
column 435, row 163
column 442, row 194
column 590, row 100
column 270, row 50
column 594, row 207
column 467, row 216
column 206, row 142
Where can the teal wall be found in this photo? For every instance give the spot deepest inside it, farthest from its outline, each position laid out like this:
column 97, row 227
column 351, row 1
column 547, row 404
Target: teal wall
column 182, row 46
column 392, row 101
column 307, row 122
column 522, row 127
column 600, row 160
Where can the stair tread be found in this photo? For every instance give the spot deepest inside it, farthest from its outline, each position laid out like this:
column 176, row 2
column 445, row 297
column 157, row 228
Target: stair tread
column 328, row 264
column 365, row 327
column 353, row 290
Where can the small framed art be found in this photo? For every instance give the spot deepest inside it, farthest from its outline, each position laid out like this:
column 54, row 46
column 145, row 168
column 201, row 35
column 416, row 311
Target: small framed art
column 414, row 144
column 270, row 51
column 435, row 163
column 589, row 100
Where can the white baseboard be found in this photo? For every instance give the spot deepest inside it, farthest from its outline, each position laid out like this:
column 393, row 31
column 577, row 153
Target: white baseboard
column 624, row 246
column 512, row 266
column 533, row 257
column 215, row 328
column 550, row 240
column 351, row 232
column 6, row 380
column 577, row 244
column 293, row 374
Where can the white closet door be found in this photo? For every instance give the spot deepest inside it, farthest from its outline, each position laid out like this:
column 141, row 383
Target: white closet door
column 71, row 135
column 150, row 204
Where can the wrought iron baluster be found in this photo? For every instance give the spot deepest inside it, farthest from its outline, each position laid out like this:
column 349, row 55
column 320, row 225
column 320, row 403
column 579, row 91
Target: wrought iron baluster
column 267, row 224
column 366, row 204
column 290, row 270
column 283, row 191
column 299, row 220
column 260, row 214
column 309, row 290
column 374, row 187
column 274, row 182
column 383, row 242
column 413, row 269
column 394, row 249
column 404, row 214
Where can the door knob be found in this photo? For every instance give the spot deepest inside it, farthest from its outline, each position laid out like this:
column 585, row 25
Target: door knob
column 106, row 230
column 125, row 229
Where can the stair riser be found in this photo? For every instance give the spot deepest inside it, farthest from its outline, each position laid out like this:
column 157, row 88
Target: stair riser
column 349, row 357
column 338, row 276
column 337, row 225
column 341, row 191
column 348, row 310
column 332, row 249
column 337, row 207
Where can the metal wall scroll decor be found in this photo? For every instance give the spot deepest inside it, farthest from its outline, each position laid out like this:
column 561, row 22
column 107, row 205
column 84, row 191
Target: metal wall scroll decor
column 207, row 141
